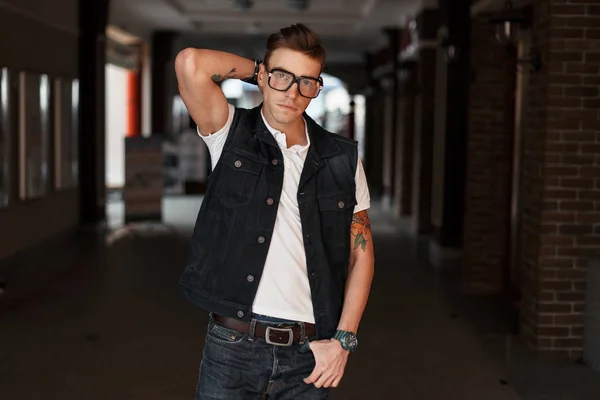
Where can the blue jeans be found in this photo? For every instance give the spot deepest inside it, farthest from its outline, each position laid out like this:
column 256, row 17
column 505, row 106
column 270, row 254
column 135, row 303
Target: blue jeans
column 236, row 368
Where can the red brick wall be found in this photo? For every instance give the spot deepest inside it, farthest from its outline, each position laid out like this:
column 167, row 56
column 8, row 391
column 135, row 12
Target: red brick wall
column 561, row 214
column 489, row 161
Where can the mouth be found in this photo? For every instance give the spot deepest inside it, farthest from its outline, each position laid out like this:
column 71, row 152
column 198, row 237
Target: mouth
column 287, row 107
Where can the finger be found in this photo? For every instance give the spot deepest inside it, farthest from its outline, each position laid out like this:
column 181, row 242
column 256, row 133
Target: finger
column 336, row 381
column 316, row 374
column 322, row 380
column 330, row 381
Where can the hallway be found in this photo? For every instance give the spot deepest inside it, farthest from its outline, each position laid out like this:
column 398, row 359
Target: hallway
column 114, row 326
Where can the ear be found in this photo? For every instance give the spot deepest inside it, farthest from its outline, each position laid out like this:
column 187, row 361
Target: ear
column 262, row 76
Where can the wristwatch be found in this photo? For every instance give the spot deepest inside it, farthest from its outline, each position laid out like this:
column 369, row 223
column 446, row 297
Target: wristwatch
column 253, row 79
column 348, row 340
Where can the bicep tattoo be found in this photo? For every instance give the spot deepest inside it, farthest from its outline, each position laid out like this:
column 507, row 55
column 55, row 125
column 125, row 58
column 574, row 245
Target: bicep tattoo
column 361, row 230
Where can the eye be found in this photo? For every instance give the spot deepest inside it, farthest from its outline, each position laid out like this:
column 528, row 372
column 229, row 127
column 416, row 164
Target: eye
column 281, row 75
column 306, row 82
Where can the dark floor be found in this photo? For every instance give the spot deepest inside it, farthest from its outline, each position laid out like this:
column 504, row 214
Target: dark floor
column 113, row 326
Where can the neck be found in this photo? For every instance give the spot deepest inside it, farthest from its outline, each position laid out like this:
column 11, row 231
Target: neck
column 295, row 131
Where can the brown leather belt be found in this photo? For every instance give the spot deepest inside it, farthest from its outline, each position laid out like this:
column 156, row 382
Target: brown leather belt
column 278, row 336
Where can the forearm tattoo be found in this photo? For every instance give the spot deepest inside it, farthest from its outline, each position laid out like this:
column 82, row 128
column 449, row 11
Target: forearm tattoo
column 219, row 78
column 361, row 230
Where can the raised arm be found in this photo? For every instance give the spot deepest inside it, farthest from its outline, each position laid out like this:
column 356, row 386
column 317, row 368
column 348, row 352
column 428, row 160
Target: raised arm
column 198, row 73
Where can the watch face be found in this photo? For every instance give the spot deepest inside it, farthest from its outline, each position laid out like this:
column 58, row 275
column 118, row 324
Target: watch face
column 351, row 341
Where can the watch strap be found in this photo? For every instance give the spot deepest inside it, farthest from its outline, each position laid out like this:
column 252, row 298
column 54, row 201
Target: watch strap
column 254, row 78
column 341, row 336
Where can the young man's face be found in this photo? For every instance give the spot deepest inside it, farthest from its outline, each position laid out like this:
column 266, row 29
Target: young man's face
column 286, row 107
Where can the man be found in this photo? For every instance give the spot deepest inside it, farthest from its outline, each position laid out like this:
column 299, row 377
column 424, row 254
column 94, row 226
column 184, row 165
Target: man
column 282, row 254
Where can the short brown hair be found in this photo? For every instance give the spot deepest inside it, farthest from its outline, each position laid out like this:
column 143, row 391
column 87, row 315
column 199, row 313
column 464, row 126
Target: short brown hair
column 297, row 37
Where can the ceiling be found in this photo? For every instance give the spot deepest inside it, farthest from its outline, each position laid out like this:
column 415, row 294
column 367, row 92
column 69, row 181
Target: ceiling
column 348, row 28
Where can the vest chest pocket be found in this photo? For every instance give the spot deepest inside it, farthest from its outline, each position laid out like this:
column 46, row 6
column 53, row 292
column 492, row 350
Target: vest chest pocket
column 336, row 216
column 237, row 180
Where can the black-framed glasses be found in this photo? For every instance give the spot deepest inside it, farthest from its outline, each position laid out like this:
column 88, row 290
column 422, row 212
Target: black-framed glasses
column 281, row 80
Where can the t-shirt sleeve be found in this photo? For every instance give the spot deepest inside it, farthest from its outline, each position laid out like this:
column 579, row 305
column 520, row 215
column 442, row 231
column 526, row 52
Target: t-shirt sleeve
column 216, row 141
column 363, row 197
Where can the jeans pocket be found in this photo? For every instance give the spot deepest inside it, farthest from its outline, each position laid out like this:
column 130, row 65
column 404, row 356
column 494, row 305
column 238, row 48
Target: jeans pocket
column 305, row 348
column 222, row 334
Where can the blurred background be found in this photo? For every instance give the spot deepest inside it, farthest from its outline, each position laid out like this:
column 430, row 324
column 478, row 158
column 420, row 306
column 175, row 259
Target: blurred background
column 479, row 128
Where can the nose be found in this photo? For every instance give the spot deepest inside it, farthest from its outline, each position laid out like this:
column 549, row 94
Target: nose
column 292, row 92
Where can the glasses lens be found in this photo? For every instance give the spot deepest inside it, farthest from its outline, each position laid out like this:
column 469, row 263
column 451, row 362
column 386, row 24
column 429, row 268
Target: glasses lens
column 281, row 80
column 309, row 87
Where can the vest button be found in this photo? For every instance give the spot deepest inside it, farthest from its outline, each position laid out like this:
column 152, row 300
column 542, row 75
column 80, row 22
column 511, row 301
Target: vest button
column 237, row 163
column 270, row 201
column 341, row 204
column 250, row 278
column 240, row 314
column 275, row 161
column 261, row 239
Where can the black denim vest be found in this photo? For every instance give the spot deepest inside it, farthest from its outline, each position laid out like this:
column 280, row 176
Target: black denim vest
column 237, row 217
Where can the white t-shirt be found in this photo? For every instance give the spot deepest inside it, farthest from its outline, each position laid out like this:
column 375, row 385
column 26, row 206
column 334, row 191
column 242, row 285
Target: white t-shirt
column 284, row 290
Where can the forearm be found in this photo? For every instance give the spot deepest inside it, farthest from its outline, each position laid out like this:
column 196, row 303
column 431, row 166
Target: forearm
column 216, row 65
column 358, row 287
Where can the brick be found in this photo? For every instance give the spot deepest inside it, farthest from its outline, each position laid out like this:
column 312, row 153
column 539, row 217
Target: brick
column 582, row 229
column 557, row 21
column 556, row 285
column 588, row 241
column 591, row 103
column 592, row 33
column 550, row 205
column 581, row 183
column 562, row 147
column 547, row 296
column 567, row 33
column 591, row 57
column 555, row 66
column 564, row 79
column 572, row 296
column 591, row 217
column 581, row 68
column 576, row 206
column 593, row 9
column 549, row 228
column 575, row 319
column 577, row 331
column 567, row 9
column 568, row 251
column 572, row 274
column 578, row 159
column 579, row 136
column 568, row 343
column 581, row 91
column 562, row 171
column 556, row 262
column 590, row 171
column 584, row 22
column 589, row 195
column 558, row 44
column 579, row 44
column 590, row 124
column 553, row 331
column 552, row 216
column 564, row 56
column 591, row 80
column 557, row 240
column 590, row 148
column 543, row 343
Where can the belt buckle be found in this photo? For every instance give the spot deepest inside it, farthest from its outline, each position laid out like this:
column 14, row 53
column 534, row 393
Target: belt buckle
column 288, row 330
